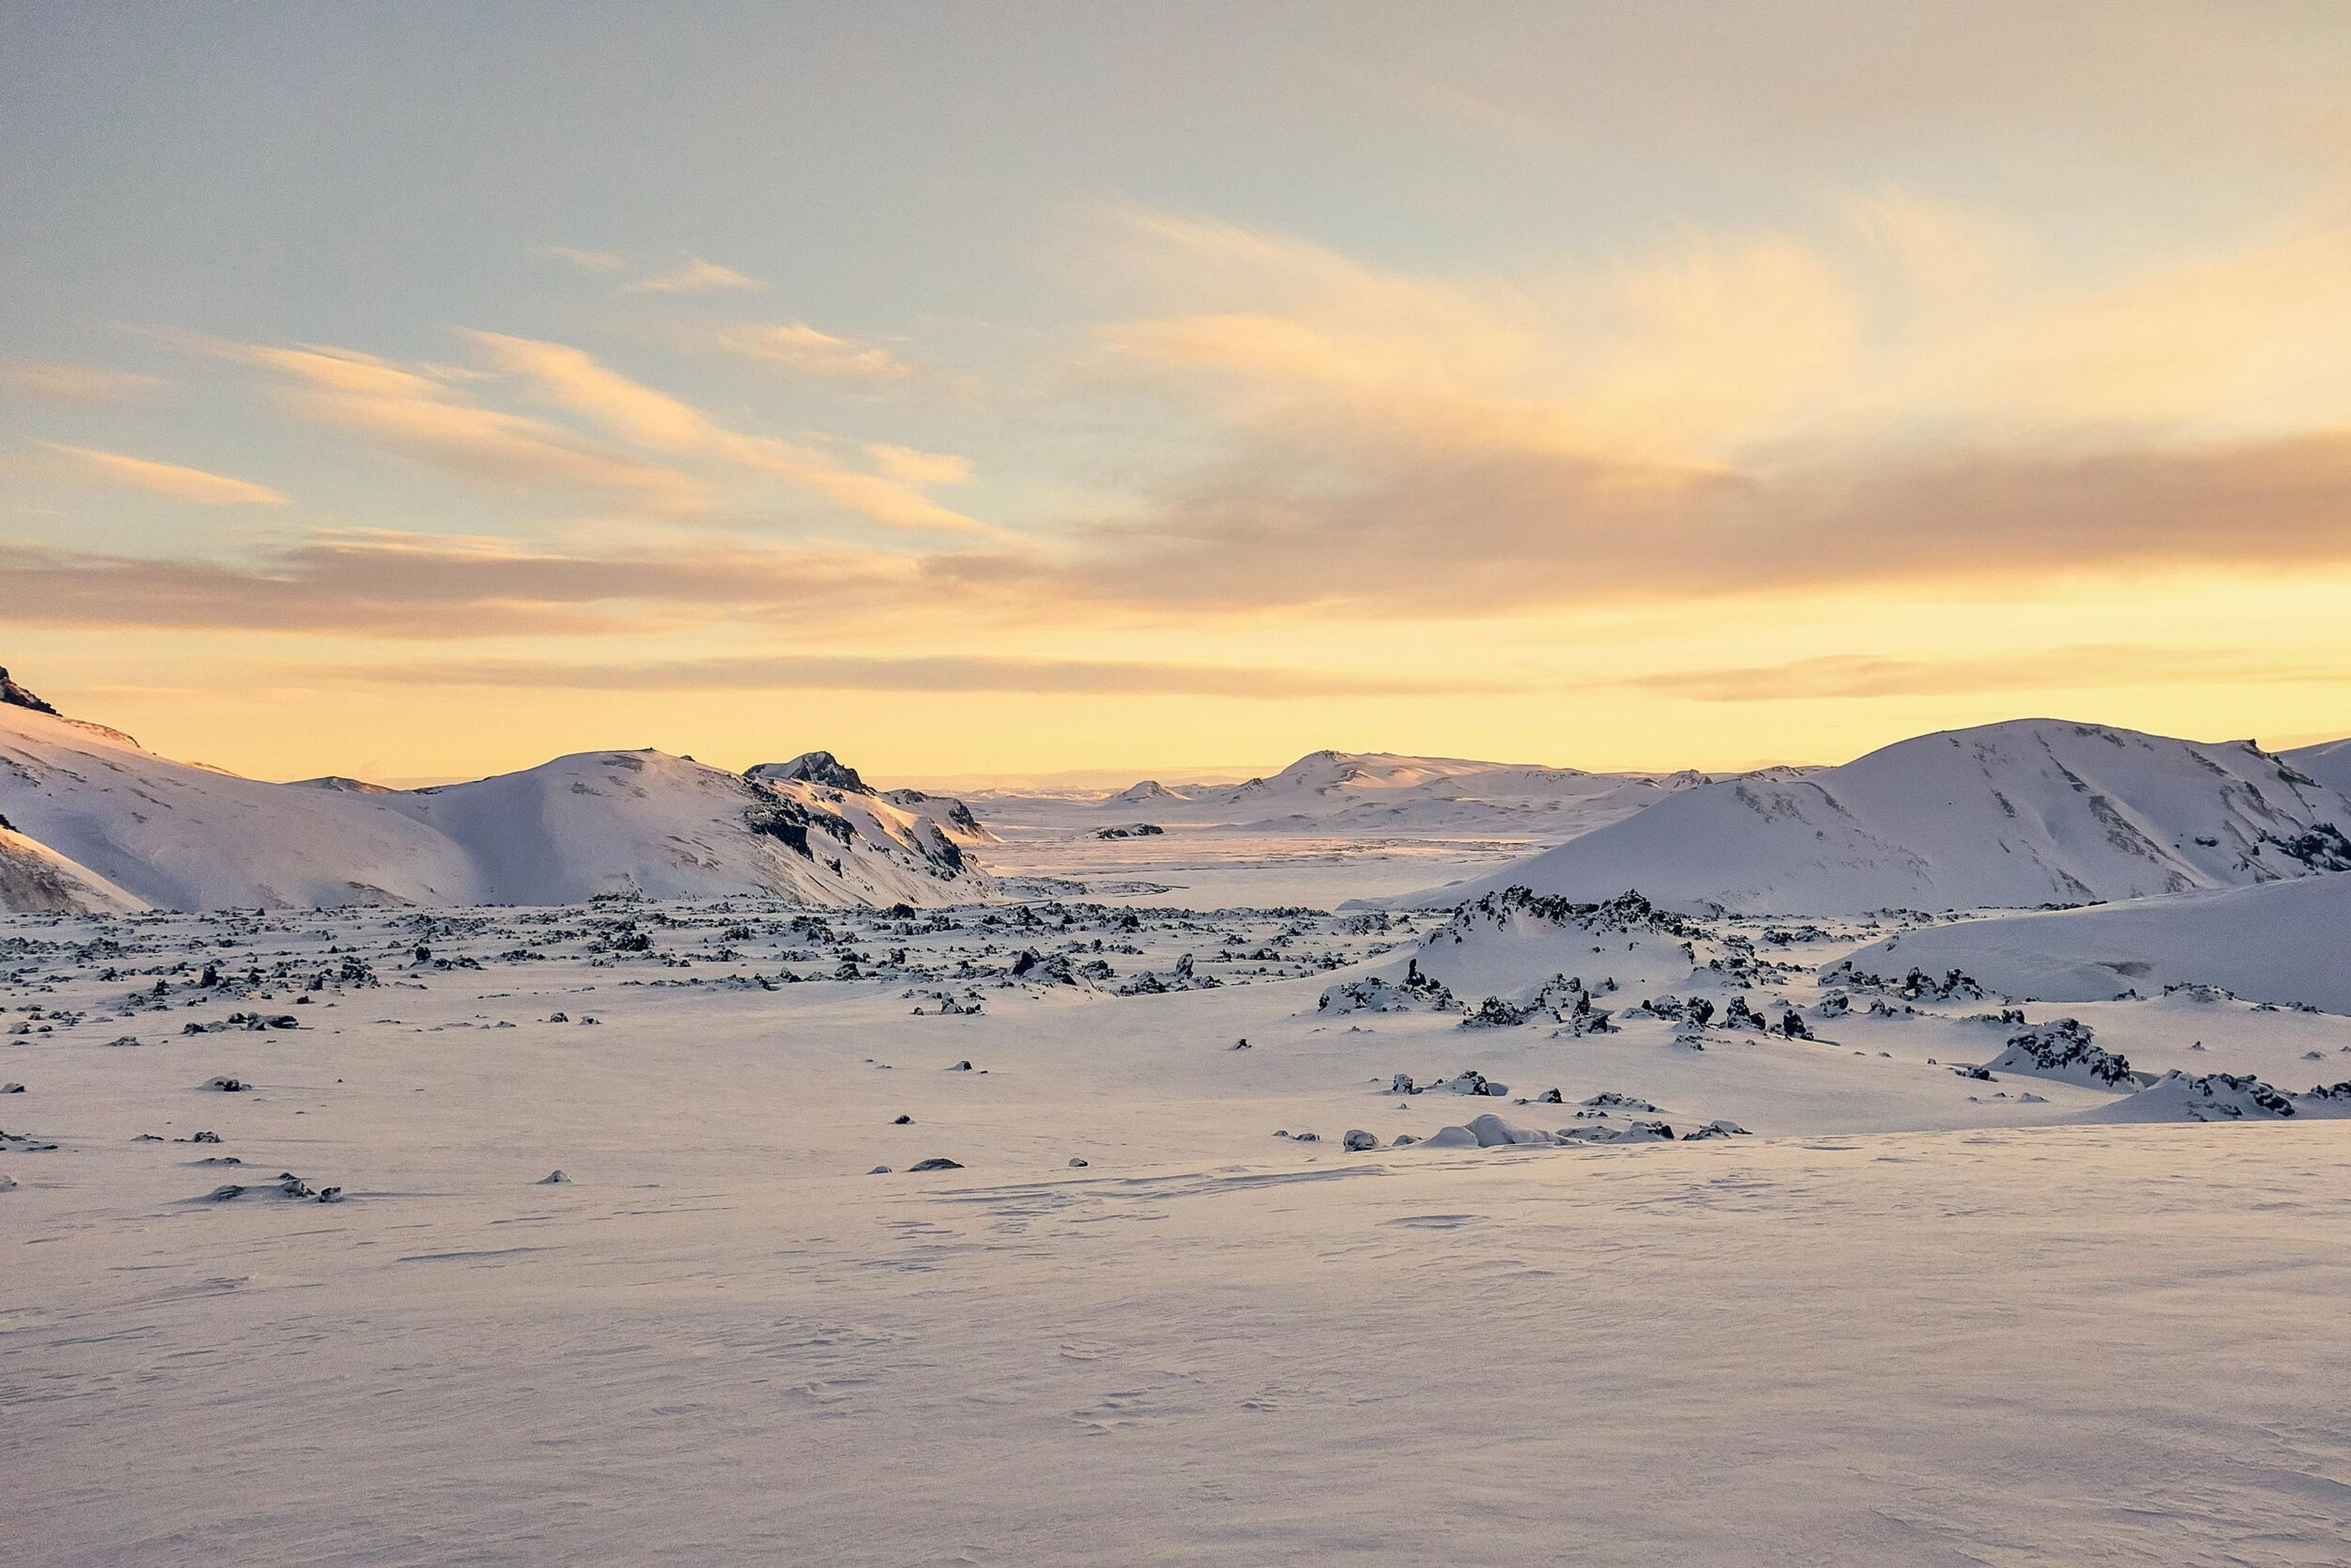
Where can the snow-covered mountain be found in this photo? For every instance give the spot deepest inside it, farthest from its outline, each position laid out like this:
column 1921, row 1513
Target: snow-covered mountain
column 2028, row 813
column 2279, row 942
column 131, row 825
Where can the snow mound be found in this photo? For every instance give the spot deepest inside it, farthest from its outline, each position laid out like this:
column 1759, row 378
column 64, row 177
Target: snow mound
column 2213, row 1097
column 2062, row 1051
column 1515, row 945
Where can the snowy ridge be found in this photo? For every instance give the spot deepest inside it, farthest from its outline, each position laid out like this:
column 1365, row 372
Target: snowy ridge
column 2021, row 814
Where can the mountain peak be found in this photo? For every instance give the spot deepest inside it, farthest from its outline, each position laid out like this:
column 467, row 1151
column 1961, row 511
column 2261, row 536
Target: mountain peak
column 816, row 768
column 18, row 697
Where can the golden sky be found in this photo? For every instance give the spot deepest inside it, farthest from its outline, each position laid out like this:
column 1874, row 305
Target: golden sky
column 1062, row 388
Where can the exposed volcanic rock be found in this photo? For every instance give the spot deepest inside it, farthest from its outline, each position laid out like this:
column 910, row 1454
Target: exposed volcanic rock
column 18, row 697
column 817, row 767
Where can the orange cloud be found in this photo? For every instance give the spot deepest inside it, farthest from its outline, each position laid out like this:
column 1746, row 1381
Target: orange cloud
column 796, row 346
column 182, row 484
column 694, row 275
column 47, row 381
column 423, row 417
column 913, row 468
column 636, row 413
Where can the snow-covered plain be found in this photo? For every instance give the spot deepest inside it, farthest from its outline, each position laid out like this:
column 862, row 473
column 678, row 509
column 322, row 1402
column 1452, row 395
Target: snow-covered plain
column 1908, row 1316
column 1130, row 1197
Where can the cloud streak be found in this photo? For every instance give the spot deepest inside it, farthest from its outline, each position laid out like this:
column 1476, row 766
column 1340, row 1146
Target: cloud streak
column 424, row 417
column 577, row 382
column 694, row 275
column 797, row 347
column 49, row 380
column 437, row 588
column 119, row 471
column 788, row 672
column 2095, row 666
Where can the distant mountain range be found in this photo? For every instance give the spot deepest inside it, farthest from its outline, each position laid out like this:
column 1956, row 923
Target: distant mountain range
column 2027, row 813
column 1351, row 793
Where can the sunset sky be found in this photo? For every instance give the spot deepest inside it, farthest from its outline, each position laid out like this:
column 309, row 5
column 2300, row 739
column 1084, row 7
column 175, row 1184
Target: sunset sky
column 422, row 391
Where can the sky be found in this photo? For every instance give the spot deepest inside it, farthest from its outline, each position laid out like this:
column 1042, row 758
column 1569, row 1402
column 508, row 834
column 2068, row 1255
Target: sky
column 421, row 390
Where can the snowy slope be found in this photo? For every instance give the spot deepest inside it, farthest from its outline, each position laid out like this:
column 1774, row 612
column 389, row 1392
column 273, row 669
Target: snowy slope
column 37, row 878
column 178, row 836
column 2281, row 942
column 2023, row 813
column 2329, row 762
column 184, row 837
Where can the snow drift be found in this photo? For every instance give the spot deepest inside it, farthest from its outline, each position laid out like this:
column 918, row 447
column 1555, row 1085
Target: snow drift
column 2284, row 942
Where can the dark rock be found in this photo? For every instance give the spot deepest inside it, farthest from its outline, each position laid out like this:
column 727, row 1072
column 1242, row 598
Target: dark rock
column 15, row 696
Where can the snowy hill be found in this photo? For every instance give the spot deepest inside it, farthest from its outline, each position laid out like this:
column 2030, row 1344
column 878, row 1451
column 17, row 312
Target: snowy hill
column 2281, row 942
column 1516, row 946
column 666, row 827
column 133, row 825
column 181, row 836
column 2019, row 814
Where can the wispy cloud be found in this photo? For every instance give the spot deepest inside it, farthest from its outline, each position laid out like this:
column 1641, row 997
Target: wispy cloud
column 438, row 587
column 913, row 468
column 121, row 471
column 577, row 382
column 587, row 260
column 694, row 275
column 50, row 381
column 424, row 416
column 796, row 346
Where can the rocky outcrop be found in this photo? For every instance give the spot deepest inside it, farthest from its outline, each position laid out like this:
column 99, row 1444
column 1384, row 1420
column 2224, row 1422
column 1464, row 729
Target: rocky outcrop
column 15, row 696
column 815, row 767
